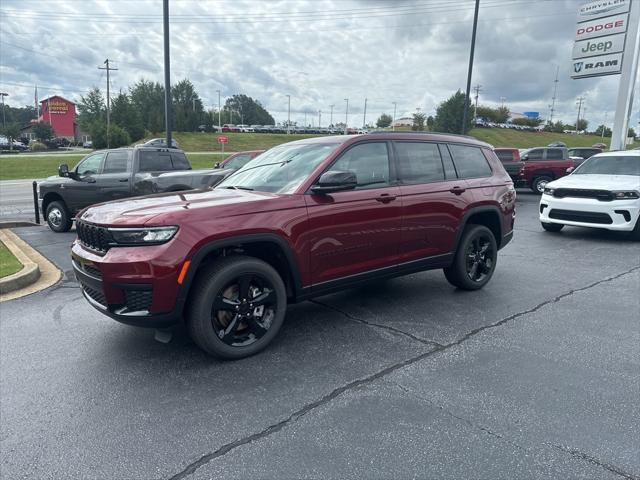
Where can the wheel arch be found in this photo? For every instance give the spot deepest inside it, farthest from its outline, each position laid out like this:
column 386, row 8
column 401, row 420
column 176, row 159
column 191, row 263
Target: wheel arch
column 268, row 247
column 52, row 197
column 489, row 216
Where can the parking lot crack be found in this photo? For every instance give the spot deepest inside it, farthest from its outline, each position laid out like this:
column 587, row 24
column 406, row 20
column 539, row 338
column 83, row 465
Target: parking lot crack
column 607, row 466
column 301, row 412
column 377, row 325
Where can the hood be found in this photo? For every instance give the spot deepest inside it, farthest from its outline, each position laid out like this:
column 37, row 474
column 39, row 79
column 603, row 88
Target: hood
column 173, row 208
column 597, row 182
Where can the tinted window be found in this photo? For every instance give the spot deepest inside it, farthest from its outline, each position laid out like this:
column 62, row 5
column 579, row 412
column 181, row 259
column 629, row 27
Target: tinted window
column 155, row 161
column 90, row 165
column 449, row 168
column 504, row 155
column 554, row 154
column 469, row 161
column 179, row 161
column 534, row 154
column 116, row 162
column 419, row 162
column 370, row 163
column 238, row 162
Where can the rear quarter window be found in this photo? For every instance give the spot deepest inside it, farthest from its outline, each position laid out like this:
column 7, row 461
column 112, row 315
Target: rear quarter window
column 155, row 161
column 504, row 155
column 470, row 162
column 179, row 161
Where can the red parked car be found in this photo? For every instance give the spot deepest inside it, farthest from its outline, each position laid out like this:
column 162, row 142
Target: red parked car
column 228, row 127
column 238, row 159
column 304, row 219
column 542, row 165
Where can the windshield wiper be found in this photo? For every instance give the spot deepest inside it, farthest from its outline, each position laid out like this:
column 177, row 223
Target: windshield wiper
column 238, row 187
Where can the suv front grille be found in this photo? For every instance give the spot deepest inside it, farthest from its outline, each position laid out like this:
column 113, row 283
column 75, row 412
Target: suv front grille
column 95, row 294
column 602, row 195
column 584, row 217
column 92, row 236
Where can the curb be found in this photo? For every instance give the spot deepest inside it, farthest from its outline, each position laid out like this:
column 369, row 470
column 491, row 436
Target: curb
column 29, row 273
column 37, row 273
column 17, row 223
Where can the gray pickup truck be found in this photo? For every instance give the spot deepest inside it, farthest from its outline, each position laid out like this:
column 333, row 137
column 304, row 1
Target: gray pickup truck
column 114, row 174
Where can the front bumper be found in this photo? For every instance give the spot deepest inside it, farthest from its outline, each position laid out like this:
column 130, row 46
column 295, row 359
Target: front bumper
column 131, row 285
column 616, row 215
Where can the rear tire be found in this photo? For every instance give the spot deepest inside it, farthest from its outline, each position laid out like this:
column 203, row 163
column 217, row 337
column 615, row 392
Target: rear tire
column 236, row 307
column 475, row 259
column 552, row 227
column 538, row 184
column 58, row 217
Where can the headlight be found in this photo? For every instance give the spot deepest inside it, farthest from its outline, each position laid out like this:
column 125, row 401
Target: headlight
column 142, row 236
column 625, row 195
column 549, row 191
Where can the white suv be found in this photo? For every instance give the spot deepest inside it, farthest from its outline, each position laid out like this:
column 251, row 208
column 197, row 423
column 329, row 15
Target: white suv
column 603, row 192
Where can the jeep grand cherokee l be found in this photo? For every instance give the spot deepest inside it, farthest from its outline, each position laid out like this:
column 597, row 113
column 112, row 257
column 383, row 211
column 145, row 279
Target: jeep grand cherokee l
column 303, row 219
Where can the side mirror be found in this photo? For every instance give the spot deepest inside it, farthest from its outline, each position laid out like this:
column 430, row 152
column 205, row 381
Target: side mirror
column 570, row 169
column 63, row 170
column 525, row 157
column 217, row 165
column 335, row 181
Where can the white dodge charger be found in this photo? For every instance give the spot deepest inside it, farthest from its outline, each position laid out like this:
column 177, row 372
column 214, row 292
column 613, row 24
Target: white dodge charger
column 603, row 192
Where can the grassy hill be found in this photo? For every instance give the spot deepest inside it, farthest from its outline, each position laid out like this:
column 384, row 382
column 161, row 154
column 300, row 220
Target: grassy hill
column 503, row 137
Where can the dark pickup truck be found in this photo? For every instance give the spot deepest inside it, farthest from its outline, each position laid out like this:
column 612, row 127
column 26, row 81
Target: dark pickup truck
column 115, row 174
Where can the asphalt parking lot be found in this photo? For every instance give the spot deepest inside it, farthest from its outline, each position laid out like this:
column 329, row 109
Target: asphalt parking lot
column 535, row 376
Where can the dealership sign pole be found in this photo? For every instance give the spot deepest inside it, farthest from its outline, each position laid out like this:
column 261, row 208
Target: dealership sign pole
column 607, row 42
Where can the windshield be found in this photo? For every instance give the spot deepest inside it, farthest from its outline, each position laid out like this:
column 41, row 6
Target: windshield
column 610, row 165
column 281, row 169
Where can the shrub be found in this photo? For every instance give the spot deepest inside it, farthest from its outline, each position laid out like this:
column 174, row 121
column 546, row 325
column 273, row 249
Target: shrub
column 37, row 147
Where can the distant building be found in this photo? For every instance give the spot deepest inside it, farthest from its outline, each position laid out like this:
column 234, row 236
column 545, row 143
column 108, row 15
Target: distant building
column 402, row 122
column 60, row 113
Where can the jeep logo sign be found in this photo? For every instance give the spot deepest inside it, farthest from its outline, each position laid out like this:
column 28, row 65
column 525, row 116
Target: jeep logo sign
column 599, row 46
column 602, row 8
column 596, row 66
column 603, row 26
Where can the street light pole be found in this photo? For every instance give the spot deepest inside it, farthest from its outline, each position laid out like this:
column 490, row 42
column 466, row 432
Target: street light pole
column 2, row 94
column 288, row 113
column 393, row 122
column 346, row 116
column 331, row 120
column 167, row 73
column 319, row 118
column 219, row 113
column 465, row 113
column 364, row 115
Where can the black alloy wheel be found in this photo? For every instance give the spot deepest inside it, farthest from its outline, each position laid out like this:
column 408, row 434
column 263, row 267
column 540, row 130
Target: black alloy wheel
column 236, row 306
column 475, row 259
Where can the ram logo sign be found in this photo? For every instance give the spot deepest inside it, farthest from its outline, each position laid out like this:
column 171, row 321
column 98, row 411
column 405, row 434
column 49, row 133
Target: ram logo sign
column 596, row 66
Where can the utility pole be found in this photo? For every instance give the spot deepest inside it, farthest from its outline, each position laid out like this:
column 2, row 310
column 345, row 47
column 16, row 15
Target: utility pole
column 108, row 69
column 465, row 113
column 579, row 102
column 346, row 116
column 305, row 119
column 393, row 121
column 604, row 126
column 2, row 94
column 288, row 114
column 331, row 120
column 555, row 91
column 502, row 99
column 364, row 116
column 477, row 88
column 319, row 118
column 167, row 72
column 219, row 113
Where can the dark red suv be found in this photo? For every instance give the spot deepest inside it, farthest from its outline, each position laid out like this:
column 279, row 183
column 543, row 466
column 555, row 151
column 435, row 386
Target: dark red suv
column 303, row 219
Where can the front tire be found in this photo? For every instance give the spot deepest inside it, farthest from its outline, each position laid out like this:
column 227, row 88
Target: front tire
column 58, row 217
column 475, row 259
column 635, row 233
column 552, row 227
column 237, row 307
column 538, row 184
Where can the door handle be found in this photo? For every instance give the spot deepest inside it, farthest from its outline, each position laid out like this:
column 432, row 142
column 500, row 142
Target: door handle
column 123, row 180
column 458, row 190
column 386, row 198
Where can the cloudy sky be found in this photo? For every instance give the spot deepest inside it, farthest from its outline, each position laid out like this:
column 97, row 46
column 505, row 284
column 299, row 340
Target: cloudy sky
column 320, row 52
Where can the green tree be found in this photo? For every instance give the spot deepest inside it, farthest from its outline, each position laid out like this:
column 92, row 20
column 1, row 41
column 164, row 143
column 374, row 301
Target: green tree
column 12, row 132
column 496, row 115
column 148, row 99
column 558, row 127
column 20, row 115
column 244, row 109
column 527, row 122
column 430, row 122
column 91, row 108
column 118, row 137
column 607, row 131
column 384, row 121
column 582, row 125
column 42, row 131
column 449, row 114
column 187, row 107
column 631, row 133
column 418, row 122
column 125, row 114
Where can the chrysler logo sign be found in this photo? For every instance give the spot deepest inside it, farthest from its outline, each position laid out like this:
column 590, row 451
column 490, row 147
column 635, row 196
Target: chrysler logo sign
column 602, row 8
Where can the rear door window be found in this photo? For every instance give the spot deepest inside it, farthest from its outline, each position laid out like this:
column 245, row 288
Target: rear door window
column 419, row 162
column 116, row 162
column 151, row 161
column 535, row 154
column 470, row 162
